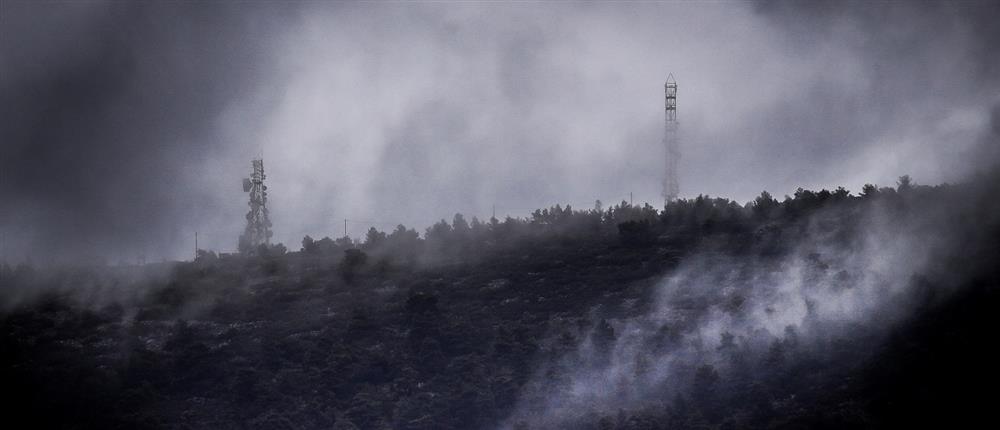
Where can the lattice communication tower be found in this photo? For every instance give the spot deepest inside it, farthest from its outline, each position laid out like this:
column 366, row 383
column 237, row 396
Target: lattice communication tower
column 258, row 229
column 671, row 186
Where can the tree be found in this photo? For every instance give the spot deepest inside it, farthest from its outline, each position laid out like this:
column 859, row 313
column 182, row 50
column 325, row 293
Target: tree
column 344, row 242
column 326, row 245
column 439, row 232
column 403, row 244
column 764, row 205
column 354, row 260
column 904, row 184
column 206, row 256
column 265, row 250
column 460, row 232
column 868, row 191
column 438, row 238
column 374, row 238
column 309, row 245
column 841, row 193
column 459, row 225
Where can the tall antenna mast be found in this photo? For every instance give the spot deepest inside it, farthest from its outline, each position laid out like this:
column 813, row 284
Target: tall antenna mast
column 671, row 186
column 258, row 229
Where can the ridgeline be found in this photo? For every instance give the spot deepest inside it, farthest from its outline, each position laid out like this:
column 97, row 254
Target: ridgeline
column 518, row 323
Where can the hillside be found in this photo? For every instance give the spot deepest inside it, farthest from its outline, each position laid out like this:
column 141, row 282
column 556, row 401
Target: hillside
column 824, row 310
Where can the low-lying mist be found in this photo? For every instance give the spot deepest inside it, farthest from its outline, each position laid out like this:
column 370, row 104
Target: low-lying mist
column 708, row 313
column 730, row 321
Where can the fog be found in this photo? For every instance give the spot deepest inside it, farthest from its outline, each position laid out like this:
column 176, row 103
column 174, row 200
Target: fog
column 128, row 126
column 723, row 318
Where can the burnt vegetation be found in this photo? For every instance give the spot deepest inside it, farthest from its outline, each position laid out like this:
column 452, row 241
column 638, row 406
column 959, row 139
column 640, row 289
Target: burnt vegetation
column 453, row 328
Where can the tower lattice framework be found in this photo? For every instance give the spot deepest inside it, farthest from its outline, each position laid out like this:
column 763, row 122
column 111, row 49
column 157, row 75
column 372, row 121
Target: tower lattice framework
column 671, row 143
column 258, row 229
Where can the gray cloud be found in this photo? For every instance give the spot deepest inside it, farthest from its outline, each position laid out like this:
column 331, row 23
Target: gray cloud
column 130, row 127
column 106, row 106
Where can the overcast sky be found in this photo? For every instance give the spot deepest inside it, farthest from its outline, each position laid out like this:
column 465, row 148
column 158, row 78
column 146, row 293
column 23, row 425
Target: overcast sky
column 127, row 126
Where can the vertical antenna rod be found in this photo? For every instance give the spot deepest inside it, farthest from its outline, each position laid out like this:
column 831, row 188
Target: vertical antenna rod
column 672, row 152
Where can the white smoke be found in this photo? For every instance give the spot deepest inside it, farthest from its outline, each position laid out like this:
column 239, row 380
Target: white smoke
column 838, row 282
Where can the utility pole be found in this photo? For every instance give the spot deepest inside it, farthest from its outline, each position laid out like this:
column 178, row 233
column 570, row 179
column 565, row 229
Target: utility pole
column 196, row 245
column 345, row 227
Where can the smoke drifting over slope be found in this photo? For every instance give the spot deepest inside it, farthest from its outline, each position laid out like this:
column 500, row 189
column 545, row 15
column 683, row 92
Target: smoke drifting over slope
column 129, row 128
column 726, row 320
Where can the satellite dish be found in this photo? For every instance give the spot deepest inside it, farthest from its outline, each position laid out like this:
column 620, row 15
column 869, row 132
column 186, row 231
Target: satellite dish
column 246, row 185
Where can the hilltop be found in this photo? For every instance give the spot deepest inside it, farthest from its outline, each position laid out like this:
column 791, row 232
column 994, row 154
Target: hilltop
column 824, row 309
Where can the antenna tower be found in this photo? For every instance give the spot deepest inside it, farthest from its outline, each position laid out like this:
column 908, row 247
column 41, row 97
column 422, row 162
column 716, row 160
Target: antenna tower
column 671, row 186
column 258, row 230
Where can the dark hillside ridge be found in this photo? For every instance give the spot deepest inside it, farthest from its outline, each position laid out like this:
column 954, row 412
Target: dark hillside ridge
column 482, row 324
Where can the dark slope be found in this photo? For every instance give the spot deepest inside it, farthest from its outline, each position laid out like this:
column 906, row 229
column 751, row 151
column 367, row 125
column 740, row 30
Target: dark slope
column 439, row 339
column 310, row 347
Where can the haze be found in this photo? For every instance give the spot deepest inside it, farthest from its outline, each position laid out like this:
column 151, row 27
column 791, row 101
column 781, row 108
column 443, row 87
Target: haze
column 127, row 126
